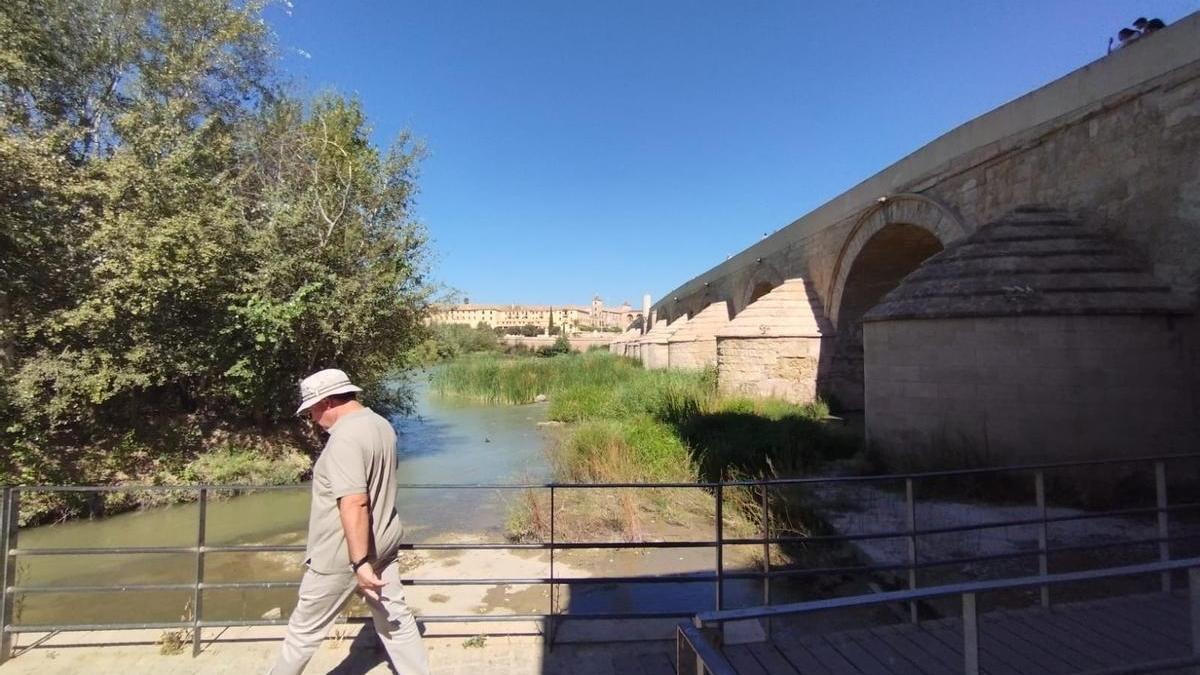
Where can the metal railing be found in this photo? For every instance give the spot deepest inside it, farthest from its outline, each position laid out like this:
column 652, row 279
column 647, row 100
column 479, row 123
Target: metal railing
column 698, row 646
column 11, row 552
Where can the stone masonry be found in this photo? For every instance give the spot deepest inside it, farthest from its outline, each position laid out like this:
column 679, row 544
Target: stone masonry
column 655, row 352
column 776, row 346
column 695, row 344
column 1034, row 339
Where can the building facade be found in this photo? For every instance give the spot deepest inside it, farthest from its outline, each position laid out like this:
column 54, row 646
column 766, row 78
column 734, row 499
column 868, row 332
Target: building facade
column 572, row 318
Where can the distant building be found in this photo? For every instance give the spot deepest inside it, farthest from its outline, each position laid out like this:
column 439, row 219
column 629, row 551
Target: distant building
column 573, row 318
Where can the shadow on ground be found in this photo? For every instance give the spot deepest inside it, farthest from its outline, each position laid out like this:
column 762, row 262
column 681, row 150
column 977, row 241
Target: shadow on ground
column 366, row 652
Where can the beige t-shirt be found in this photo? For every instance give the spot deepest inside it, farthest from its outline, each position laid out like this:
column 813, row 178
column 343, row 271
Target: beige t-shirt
column 358, row 458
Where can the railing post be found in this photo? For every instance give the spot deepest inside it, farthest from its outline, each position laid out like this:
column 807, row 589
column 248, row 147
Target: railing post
column 1039, row 485
column 197, row 593
column 685, row 656
column 970, row 635
column 766, row 529
column 10, row 509
column 1194, row 602
column 551, row 621
column 911, row 512
column 1164, row 546
column 720, row 547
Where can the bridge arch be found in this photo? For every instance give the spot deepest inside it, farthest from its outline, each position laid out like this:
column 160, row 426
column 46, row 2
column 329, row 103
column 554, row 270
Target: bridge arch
column 885, row 245
column 908, row 209
column 764, row 278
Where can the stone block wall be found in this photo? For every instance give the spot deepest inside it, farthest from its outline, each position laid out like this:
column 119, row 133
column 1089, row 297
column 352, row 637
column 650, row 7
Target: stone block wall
column 692, row 354
column 634, row 350
column 783, row 367
column 1030, row 389
column 655, row 354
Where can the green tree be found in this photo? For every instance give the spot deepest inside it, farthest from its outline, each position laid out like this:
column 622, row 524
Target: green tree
column 115, row 169
column 342, row 273
column 181, row 241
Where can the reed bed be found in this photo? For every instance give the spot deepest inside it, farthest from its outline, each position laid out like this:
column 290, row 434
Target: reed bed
column 632, row 424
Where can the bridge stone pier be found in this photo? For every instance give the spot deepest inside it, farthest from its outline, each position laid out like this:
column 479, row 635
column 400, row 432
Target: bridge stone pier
column 776, row 345
column 1026, row 284
column 655, row 344
column 695, row 344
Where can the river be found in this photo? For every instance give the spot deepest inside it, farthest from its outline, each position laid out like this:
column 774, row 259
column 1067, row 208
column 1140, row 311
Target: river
column 442, row 442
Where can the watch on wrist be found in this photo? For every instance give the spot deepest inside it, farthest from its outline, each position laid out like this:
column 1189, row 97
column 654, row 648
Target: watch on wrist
column 355, row 565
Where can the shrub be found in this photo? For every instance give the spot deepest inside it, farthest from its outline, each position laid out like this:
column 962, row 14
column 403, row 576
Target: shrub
column 236, row 466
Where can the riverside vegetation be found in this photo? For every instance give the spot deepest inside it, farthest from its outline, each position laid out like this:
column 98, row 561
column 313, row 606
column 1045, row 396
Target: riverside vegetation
column 628, row 424
column 182, row 238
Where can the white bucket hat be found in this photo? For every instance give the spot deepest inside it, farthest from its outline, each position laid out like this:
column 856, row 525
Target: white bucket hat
column 322, row 384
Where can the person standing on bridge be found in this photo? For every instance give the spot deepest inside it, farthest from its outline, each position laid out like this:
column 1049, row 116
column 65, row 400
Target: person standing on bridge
column 353, row 530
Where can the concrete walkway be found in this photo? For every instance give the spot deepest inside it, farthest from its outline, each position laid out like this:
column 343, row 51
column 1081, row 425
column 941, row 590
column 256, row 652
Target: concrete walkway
column 252, row 650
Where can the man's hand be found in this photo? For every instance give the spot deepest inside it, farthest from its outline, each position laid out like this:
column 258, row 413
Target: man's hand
column 369, row 583
column 355, row 512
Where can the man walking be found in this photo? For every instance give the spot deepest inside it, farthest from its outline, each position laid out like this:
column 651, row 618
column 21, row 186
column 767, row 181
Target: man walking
column 353, row 530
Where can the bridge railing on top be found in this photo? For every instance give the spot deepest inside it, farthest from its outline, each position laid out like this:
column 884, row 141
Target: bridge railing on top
column 11, row 552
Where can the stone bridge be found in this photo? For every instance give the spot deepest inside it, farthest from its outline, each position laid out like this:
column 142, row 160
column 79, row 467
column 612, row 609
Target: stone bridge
column 1023, row 287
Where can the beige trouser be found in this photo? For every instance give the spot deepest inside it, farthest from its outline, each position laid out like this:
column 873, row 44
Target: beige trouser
column 322, row 597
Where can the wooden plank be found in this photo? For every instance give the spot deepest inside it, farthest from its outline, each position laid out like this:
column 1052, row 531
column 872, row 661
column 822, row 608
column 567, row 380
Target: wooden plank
column 1127, row 642
column 1118, row 651
column 1047, row 660
column 1149, row 638
column 661, row 663
column 867, row 657
column 828, row 655
column 653, row 663
column 1098, row 623
column 801, row 658
column 1071, row 637
column 1166, row 639
column 1065, row 642
column 743, row 661
column 921, row 648
column 993, row 657
column 1103, row 622
column 1160, row 620
column 771, row 660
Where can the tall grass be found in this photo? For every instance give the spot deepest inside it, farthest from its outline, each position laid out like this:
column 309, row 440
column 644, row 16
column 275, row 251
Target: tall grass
column 650, row 425
column 629, row 424
column 518, row 380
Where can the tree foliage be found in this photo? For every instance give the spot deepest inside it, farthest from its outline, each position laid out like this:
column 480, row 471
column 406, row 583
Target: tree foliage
column 181, row 240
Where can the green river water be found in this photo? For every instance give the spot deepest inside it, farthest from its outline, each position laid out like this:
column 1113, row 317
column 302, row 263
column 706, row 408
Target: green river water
column 443, row 442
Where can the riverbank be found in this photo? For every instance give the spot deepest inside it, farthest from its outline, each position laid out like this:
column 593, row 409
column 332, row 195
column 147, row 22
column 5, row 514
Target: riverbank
column 223, row 458
column 627, row 424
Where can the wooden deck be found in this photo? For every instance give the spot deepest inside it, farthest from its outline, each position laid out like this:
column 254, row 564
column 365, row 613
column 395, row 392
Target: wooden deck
column 1072, row 638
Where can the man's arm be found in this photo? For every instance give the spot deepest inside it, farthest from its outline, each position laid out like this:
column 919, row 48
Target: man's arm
column 355, row 513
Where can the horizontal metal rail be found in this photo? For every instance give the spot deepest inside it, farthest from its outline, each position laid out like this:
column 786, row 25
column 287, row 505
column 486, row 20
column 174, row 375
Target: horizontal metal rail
column 704, row 618
column 10, row 551
column 583, row 545
column 988, row 525
column 1016, row 468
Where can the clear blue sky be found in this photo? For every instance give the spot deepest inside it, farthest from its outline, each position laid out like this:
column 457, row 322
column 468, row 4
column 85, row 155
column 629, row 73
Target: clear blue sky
column 622, row 147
